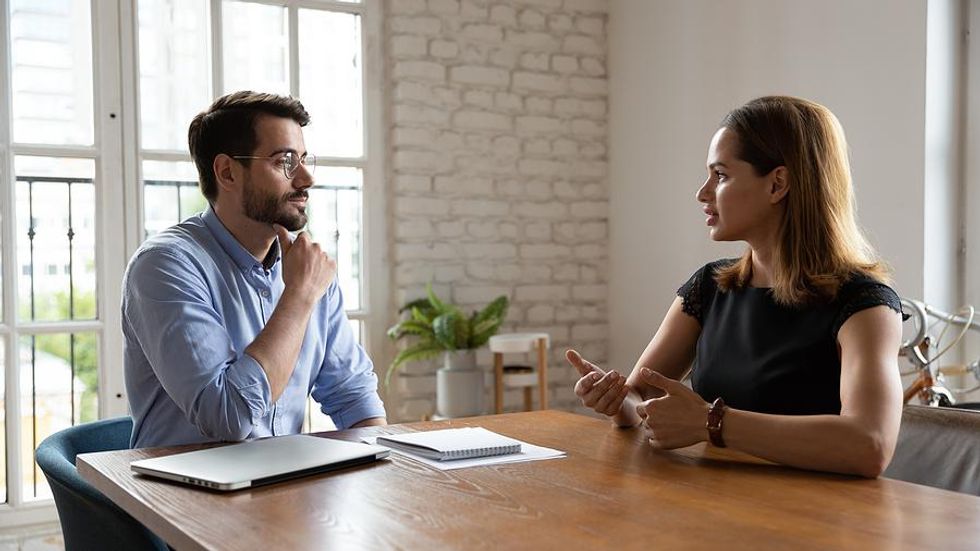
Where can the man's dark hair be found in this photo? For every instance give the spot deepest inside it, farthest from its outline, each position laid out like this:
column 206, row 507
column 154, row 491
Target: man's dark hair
column 228, row 127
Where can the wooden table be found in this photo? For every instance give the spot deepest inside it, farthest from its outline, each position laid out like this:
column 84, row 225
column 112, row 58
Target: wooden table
column 612, row 492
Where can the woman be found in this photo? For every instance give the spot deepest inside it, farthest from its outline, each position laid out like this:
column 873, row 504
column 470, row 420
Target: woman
column 794, row 345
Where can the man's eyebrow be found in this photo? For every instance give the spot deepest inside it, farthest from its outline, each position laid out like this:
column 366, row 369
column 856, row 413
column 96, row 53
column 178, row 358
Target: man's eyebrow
column 717, row 164
column 286, row 150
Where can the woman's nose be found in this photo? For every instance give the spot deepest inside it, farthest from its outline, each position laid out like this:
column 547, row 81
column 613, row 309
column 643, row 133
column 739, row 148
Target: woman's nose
column 703, row 192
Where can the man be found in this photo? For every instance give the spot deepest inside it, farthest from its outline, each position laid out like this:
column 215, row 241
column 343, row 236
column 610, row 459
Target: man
column 229, row 325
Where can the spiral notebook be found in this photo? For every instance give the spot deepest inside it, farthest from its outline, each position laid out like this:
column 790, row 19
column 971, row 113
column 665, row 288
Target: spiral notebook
column 450, row 444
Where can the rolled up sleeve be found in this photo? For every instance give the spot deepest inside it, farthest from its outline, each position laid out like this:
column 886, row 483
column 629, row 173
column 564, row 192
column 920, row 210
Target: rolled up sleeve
column 346, row 386
column 172, row 316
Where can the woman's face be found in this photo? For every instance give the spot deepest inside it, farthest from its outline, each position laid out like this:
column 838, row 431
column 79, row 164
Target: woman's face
column 738, row 203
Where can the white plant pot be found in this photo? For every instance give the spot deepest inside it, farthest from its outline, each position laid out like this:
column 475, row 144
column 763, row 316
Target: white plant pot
column 459, row 385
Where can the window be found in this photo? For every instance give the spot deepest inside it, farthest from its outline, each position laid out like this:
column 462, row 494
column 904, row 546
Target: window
column 97, row 98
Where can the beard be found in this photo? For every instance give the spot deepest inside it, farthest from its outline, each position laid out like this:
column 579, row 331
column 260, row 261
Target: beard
column 270, row 209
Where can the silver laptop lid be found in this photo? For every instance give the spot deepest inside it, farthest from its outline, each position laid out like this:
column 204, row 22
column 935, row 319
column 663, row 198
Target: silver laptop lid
column 259, row 461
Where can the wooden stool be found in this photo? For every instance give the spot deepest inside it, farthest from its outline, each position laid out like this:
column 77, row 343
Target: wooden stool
column 518, row 343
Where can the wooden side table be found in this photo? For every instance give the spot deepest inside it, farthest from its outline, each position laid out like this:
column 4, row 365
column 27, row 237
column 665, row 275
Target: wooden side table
column 520, row 343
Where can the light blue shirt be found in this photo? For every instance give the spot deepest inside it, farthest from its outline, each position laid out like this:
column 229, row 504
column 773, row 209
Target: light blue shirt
column 193, row 299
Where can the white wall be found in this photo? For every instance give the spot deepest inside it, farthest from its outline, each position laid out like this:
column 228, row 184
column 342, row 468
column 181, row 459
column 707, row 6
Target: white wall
column 677, row 67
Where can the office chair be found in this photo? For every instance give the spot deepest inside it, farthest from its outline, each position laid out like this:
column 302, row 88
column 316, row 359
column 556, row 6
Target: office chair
column 89, row 520
column 938, row 447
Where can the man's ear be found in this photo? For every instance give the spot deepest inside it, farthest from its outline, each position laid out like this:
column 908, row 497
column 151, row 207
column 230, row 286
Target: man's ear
column 226, row 173
column 779, row 184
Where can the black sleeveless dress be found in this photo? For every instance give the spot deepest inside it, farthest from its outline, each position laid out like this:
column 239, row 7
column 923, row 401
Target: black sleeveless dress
column 760, row 356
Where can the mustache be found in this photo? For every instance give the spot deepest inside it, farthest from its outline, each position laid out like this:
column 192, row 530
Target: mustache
column 301, row 194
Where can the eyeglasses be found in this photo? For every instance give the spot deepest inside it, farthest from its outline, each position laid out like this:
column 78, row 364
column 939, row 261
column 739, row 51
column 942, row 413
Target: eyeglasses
column 289, row 162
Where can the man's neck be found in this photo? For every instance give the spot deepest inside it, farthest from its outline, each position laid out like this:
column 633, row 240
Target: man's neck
column 256, row 237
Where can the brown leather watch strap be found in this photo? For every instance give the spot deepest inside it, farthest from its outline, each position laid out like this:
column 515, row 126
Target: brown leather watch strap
column 716, row 415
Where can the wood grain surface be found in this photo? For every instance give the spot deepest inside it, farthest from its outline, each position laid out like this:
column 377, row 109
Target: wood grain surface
column 613, row 491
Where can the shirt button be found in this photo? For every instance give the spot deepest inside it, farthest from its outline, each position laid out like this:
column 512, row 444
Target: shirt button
column 265, row 293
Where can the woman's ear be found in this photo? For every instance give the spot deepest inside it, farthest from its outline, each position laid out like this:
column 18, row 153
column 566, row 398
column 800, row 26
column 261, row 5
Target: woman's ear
column 779, row 185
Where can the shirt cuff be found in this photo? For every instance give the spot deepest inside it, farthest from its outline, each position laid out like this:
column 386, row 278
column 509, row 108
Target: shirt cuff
column 368, row 408
column 249, row 379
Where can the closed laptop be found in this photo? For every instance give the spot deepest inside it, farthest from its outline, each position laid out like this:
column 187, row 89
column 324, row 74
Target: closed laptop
column 257, row 462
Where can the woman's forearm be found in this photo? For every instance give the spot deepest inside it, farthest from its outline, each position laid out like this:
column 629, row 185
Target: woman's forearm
column 835, row 443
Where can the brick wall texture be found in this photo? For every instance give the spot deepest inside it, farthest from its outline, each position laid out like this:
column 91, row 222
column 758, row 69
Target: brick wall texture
column 497, row 114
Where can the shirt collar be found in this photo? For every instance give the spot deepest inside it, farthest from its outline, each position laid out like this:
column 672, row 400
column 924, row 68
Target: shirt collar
column 243, row 259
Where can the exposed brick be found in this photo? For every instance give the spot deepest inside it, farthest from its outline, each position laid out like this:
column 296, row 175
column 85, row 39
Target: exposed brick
column 539, row 125
column 531, row 19
column 538, row 105
column 478, row 294
column 452, row 228
column 426, row 70
column 589, row 292
column 538, row 82
column 480, row 207
column 424, row 251
column 533, row 41
column 535, row 61
column 406, row 45
column 490, row 250
column 587, row 6
column 545, row 251
column 537, row 146
column 542, row 293
column 589, row 86
column 413, row 228
column 479, row 98
column 503, row 15
column 443, row 49
column 482, row 32
column 549, row 210
column 422, row 206
column 471, row 74
column 406, row 7
column 463, row 185
column 593, row 66
column 412, row 183
column 590, row 25
column 564, row 64
column 590, row 209
column 560, row 22
column 481, row 120
column 415, row 25
column 445, row 7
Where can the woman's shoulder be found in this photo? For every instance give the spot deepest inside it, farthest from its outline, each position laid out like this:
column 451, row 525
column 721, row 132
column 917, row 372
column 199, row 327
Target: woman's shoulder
column 862, row 291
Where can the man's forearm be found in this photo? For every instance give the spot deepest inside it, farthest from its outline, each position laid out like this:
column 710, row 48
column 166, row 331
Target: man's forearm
column 371, row 422
column 277, row 346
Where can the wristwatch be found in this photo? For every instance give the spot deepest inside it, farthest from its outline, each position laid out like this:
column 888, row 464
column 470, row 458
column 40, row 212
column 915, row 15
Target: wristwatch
column 715, row 416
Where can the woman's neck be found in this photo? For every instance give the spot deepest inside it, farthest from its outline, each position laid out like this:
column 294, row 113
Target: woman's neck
column 761, row 267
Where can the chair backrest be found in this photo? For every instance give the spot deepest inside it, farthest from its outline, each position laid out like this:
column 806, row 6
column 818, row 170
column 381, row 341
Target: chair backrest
column 938, row 447
column 89, row 520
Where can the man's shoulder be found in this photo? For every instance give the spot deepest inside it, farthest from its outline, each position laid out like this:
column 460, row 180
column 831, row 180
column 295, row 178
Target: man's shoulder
column 188, row 244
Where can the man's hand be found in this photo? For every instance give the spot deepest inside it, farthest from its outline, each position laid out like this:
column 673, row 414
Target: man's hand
column 305, row 267
column 675, row 420
column 602, row 391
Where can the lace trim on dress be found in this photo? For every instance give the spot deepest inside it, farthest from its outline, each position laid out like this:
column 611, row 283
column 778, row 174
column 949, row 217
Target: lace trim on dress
column 869, row 297
column 690, row 292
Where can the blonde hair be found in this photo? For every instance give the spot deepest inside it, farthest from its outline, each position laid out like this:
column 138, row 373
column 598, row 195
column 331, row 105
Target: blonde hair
column 820, row 245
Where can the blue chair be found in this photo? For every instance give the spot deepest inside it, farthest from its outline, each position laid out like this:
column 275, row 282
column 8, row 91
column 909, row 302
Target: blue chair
column 88, row 519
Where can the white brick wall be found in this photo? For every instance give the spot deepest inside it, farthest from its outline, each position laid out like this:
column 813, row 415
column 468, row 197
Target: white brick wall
column 498, row 172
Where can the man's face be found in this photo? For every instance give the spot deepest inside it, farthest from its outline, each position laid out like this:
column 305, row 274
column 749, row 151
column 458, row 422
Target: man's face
column 267, row 195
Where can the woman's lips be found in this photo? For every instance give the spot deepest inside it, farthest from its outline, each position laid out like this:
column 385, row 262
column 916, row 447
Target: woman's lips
column 712, row 216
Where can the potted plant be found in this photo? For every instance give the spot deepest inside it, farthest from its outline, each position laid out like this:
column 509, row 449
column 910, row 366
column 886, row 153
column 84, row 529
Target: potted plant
column 441, row 328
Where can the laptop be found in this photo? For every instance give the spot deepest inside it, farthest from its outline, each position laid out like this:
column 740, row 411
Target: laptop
column 258, row 462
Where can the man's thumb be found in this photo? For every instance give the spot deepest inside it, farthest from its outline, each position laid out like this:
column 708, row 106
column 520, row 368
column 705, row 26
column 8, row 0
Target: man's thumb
column 285, row 243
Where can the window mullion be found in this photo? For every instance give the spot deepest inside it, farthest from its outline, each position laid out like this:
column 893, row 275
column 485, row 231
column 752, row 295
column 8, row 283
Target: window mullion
column 11, row 368
column 293, row 18
column 217, row 63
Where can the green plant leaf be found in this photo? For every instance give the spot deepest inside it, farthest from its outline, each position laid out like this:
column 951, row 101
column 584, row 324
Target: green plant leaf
column 437, row 304
column 486, row 323
column 423, row 316
column 449, row 328
column 409, row 327
column 421, row 303
column 423, row 350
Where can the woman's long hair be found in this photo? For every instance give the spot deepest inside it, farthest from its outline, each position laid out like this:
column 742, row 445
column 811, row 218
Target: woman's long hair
column 820, row 245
